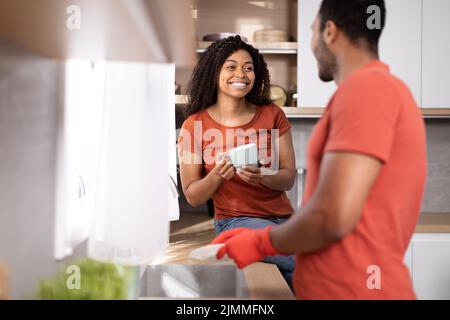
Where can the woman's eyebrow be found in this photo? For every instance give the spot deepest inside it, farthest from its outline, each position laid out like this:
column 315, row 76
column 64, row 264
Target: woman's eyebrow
column 231, row 60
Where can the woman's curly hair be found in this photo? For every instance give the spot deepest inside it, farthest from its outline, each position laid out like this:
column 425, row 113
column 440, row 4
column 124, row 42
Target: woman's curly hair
column 202, row 87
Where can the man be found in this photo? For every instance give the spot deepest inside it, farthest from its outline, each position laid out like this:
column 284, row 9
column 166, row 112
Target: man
column 366, row 173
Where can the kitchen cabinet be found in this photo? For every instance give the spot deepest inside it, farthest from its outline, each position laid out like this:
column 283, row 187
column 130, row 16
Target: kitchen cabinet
column 409, row 258
column 312, row 92
column 400, row 47
column 435, row 54
column 295, row 195
column 428, row 261
column 400, row 42
column 431, row 265
column 411, row 44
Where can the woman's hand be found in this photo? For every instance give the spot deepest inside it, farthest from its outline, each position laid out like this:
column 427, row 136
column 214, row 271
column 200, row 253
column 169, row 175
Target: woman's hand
column 224, row 168
column 250, row 174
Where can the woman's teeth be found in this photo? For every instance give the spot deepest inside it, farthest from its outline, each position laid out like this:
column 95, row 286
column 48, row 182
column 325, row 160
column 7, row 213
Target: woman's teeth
column 238, row 85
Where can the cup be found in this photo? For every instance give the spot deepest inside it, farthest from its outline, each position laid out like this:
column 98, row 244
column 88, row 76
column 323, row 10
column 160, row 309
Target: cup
column 244, row 155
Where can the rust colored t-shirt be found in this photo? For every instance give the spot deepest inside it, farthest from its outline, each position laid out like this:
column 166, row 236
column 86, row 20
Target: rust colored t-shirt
column 202, row 135
column 371, row 113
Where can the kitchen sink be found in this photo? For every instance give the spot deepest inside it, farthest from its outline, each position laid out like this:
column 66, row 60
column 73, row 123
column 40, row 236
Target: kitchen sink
column 193, row 281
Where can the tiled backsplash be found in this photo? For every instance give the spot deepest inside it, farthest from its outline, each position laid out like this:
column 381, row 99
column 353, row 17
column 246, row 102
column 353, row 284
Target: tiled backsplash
column 437, row 194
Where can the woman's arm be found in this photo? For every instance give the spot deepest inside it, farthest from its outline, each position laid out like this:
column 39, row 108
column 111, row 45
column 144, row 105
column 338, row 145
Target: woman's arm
column 198, row 189
column 284, row 178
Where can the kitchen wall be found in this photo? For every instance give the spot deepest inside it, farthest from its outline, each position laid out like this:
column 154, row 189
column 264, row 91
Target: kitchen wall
column 437, row 194
column 29, row 103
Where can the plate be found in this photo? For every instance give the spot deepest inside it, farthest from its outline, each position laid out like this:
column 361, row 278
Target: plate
column 208, row 253
column 222, row 35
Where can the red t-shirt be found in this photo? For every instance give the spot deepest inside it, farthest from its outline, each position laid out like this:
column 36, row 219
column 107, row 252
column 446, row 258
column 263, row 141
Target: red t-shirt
column 205, row 137
column 371, row 113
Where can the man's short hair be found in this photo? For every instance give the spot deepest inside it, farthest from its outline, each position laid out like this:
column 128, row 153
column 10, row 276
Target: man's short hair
column 351, row 16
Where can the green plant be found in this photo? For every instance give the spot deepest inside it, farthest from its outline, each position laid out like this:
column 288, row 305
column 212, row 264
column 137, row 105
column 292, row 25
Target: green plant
column 96, row 281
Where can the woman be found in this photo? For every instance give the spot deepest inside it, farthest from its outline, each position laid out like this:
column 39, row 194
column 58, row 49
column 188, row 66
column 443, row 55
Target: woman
column 229, row 106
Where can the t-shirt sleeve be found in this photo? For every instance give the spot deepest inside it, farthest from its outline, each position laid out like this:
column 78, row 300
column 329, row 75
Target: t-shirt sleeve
column 189, row 138
column 281, row 121
column 363, row 118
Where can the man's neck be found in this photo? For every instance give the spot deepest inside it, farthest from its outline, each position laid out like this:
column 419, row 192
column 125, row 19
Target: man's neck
column 350, row 61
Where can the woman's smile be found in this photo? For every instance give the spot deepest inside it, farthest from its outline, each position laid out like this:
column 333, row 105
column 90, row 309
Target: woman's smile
column 239, row 84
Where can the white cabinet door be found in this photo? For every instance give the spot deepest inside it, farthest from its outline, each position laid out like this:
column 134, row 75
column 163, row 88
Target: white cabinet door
column 431, row 265
column 312, row 92
column 400, row 43
column 295, row 195
column 400, row 48
column 436, row 53
column 409, row 258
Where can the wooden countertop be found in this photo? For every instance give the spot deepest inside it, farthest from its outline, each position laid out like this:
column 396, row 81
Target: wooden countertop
column 311, row 112
column 264, row 280
column 3, row 282
column 434, row 223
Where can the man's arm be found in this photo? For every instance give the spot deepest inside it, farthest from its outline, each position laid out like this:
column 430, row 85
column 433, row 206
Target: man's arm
column 334, row 209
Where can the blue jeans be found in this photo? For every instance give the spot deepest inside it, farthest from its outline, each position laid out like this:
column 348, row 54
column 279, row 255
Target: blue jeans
column 284, row 263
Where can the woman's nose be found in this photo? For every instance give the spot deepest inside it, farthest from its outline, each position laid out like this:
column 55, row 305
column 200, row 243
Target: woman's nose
column 239, row 73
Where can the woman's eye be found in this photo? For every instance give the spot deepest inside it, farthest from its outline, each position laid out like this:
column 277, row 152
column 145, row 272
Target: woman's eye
column 230, row 67
column 249, row 69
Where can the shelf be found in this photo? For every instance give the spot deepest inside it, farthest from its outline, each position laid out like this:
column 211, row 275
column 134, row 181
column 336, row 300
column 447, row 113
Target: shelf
column 315, row 113
column 263, row 47
column 304, row 112
column 181, row 99
column 430, row 113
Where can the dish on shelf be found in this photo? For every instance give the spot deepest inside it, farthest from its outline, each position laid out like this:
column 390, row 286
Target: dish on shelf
column 278, row 94
column 222, row 35
column 270, row 35
column 292, row 96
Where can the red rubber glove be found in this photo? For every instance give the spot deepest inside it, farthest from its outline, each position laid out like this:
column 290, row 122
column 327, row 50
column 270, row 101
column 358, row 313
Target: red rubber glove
column 245, row 246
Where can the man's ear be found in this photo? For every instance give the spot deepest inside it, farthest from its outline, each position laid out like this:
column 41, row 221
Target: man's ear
column 330, row 32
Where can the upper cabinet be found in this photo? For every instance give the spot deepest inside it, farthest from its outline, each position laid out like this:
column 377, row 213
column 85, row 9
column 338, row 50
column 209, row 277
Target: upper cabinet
column 414, row 44
column 312, row 92
column 400, row 47
column 400, row 43
column 435, row 54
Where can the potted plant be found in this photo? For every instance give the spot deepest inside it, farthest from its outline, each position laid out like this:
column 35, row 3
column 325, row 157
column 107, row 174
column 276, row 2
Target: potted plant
column 91, row 280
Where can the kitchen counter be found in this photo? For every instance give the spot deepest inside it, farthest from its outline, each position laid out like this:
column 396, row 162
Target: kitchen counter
column 3, row 282
column 434, row 223
column 264, row 280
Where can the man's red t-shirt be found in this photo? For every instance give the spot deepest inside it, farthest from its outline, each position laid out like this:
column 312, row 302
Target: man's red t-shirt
column 371, row 113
